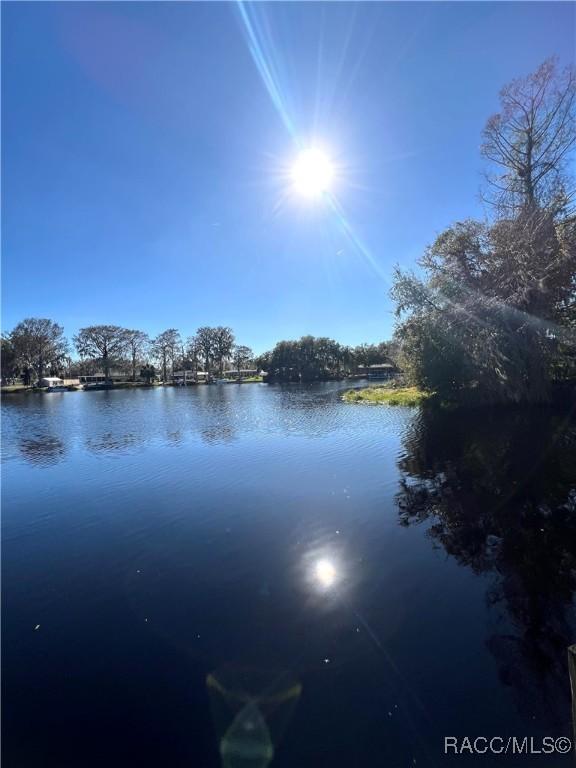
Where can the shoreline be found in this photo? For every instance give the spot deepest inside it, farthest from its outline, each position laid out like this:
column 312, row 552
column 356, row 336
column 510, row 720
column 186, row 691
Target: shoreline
column 16, row 389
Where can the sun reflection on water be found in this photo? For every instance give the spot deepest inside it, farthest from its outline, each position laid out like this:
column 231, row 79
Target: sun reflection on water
column 325, row 573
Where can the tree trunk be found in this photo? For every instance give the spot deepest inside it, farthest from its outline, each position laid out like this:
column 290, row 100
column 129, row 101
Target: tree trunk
column 528, row 176
column 106, row 364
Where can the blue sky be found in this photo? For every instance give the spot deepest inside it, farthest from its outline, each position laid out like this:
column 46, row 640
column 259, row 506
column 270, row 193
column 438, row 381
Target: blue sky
column 144, row 159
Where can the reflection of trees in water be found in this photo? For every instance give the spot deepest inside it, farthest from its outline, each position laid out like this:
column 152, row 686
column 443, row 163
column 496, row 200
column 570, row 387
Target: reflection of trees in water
column 46, row 449
column 499, row 489
column 110, row 442
column 218, row 433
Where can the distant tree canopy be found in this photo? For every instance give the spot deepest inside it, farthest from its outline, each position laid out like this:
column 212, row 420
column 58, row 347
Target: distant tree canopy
column 106, row 343
column 242, row 357
column 138, row 344
column 373, row 354
column 10, row 368
column 315, row 359
column 213, row 346
column 165, row 349
column 223, row 344
column 494, row 319
column 37, row 346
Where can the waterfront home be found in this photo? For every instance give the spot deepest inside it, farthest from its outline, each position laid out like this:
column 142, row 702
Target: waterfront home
column 183, row 378
column 51, row 381
column 99, row 378
column 243, row 373
column 377, row 371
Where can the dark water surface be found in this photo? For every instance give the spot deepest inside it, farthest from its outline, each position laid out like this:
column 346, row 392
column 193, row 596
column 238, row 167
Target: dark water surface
column 358, row 581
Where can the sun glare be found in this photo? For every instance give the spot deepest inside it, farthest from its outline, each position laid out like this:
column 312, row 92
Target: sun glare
column 325, row 573
column 312, row 173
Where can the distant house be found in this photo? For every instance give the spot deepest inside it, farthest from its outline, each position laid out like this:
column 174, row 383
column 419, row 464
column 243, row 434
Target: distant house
column 377, row 371
column 243, row 373
column 182, row 378
column 51, row 381
column 99, row 378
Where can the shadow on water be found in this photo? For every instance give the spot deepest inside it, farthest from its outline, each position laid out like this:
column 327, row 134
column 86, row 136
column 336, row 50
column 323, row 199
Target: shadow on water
column 498, row 491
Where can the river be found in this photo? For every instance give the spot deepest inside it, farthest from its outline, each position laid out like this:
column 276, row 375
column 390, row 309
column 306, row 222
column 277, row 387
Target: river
column 230, row 575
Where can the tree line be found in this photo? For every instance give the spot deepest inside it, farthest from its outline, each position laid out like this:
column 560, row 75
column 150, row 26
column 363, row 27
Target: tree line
column 37, row 347
column 319, row 358
column 494, row 318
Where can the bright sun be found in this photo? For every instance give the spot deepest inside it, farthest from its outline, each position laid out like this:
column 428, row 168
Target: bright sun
column 312, row 173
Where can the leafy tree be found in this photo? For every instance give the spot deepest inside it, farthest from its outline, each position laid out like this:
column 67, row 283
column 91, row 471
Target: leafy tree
column 241, row 357
column 223, row 343
column 148, row 373
column 38, row 345
column 308, row 359
column 493, row 318
column 106, row 343
column 192, row 353
column 165, row 347
column 215, row 346
column 371, row 354
column 9, row 360
column 137, row 343
column 204, row 341
column 262, row 362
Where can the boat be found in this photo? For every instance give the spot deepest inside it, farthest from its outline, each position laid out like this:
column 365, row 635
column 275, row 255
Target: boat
column 58, row 388
column 97, row 385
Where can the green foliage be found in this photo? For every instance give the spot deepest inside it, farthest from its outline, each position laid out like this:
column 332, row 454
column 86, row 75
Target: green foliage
column 308, row 359
column 148, row 373
column 320, row 358
column 213, row 345
column 102, row 342
column 372, row 354
column 39, row 347
column 242, row 356
column 386, row 396
column 9, row 359
column 494, row 317
column 489, row 321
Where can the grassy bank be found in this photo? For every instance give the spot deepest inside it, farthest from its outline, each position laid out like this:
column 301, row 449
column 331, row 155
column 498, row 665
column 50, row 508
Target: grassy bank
column 385, row 396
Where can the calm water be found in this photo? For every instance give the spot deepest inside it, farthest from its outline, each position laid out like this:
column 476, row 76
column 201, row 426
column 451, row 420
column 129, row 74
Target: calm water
column 155, row 537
